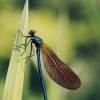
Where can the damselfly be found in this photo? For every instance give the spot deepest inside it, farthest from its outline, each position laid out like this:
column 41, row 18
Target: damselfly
column 56, row 69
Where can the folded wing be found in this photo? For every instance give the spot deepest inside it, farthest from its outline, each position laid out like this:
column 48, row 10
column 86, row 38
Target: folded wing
column 58, row 70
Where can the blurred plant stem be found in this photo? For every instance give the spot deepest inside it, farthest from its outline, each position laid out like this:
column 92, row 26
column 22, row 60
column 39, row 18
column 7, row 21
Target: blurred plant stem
column 91, row 8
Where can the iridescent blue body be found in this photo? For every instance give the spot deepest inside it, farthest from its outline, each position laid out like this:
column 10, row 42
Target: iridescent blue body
column 38, row 41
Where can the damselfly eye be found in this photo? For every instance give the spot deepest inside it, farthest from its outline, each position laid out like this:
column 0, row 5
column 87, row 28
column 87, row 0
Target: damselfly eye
column 32, row 32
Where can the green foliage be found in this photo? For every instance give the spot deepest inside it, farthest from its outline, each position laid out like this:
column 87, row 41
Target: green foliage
column 88, row 49
column 3, row 67
column 71, row 28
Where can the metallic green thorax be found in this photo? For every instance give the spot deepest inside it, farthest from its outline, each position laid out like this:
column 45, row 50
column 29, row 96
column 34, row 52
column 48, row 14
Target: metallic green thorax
column 37, row 41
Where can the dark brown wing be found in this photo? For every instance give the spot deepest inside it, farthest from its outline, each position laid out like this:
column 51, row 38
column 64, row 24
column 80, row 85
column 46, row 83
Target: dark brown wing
column 58, row 70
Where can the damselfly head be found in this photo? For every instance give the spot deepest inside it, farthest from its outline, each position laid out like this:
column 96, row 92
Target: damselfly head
column 32, row 32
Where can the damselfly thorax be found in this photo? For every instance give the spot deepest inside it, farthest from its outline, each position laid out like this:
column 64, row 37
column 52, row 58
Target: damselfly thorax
column 36, row 40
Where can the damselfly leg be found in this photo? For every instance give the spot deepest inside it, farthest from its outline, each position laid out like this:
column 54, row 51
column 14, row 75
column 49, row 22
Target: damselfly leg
column 24, row 46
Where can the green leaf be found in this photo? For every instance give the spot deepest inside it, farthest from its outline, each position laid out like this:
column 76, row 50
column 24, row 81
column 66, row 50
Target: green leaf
column 15, row 76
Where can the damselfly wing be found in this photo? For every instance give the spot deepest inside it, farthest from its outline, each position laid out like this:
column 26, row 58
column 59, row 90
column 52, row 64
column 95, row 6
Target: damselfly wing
column 58, row 70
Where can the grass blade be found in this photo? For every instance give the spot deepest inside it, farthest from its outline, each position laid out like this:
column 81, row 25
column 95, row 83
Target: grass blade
column 15, row 75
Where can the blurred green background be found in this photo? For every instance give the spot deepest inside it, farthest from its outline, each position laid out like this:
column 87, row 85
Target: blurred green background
column 71, row 29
